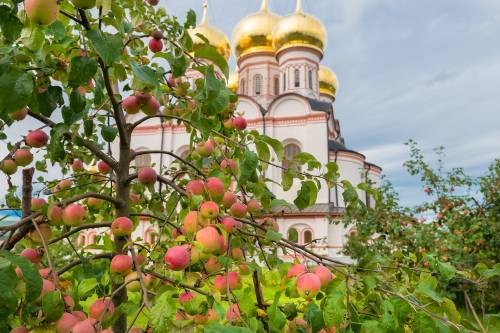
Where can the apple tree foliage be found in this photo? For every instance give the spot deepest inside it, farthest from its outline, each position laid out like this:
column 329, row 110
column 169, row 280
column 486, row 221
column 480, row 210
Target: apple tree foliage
column 70, row 70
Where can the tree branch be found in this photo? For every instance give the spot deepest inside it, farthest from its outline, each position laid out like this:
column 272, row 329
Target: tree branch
column 80, row 261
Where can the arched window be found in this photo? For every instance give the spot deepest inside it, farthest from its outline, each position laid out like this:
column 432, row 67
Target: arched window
column 142, row 161
column 310, row 79
column 258, row 84
column 293, row 235
column 296, row 78
column 91, row 238
column 276, row 85
column 307, row 237
column 151, row 236
column 81, row 240
column 242, row 86
column 284, row 82
column 291, row 150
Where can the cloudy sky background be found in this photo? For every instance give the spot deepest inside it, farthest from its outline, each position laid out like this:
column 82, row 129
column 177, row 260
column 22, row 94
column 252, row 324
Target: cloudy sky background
column 427, row 70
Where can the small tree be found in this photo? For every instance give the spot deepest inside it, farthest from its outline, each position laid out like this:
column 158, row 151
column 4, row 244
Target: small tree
column 80, row 69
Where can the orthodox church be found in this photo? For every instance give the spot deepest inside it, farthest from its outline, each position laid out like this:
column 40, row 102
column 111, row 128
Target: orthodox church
column 286, row 93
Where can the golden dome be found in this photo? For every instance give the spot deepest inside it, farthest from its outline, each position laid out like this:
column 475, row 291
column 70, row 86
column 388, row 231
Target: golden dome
column 215, row 37
column 233, row 81
column 328, row 82
column 254, row 32
column 299, row 29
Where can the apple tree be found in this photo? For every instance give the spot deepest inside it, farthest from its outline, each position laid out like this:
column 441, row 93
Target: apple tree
column 82, row 75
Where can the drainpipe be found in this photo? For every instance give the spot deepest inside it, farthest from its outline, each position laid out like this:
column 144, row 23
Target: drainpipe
column 367, row 196
column 328, row 155
column 336, row 186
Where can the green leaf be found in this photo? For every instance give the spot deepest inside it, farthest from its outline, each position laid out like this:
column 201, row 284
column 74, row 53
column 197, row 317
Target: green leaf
column 277, row 319
column 275, row 144
column 372, row 326
column 446, row 270
column 8, row 298
column 334, row 308
column 248, row 166
column 314, row 317
column 190, row 19
column 273, row 236
column 57, row 30
column 287, row 179
column 163, row 313
column 76, row 109
column 212, row 85
column 47, row 101
column 307, row 195
column 144, row 74
column 427, row 287
column 86, row 286
column 210, row 53
column 423, row 324
column 178, row 65
column 82, row 70
column 31, row 276
column 451, row 310
column 109, row 133
column 16, row 87
column 263, row 152
column 109, row 47
column 489, row 273
column 9, row 24
column 52, row 305
column 219, row 328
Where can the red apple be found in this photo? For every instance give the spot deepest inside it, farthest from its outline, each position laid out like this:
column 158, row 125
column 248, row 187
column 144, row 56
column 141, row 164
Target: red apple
column 153, row 2
column 20, row 329
column 308, row 285
column 254, row 206
column 131, row 105
column 229, row 199
column 238, row 209
column 19, row 114
column 155, row 45
column 229, row 224
column 177, row 257
column 122, row 226
column 147, row 176
column 37, row 138
column 66, row 323
column 229, row 165
column 209, row 210
column 233, row 313
column 43, row 12
column 190, row 222
column 77, row 165
column 324, row 274
column 240, row 123
column 54, row 214
column 185, row 297
column 206, row 148
column 121, row 264
column 37, row 204
column 85, row 326
column 95, row 203
column 296, row 270
column 209, row 239
column 74, row 215
column 8, row 166
column 23, row 157
column 212, row 265
column 104, row 167
column 195, row 187
column 215, row 188
column 151, row 107
column 32, row 255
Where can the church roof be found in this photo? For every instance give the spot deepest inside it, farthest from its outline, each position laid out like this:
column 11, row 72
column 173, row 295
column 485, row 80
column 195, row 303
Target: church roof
column 319, row 208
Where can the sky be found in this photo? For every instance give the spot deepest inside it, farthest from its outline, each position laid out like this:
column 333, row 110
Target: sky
column 425, row 70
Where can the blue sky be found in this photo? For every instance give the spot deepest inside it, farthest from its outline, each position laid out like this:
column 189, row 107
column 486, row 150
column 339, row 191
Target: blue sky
column 427, row 70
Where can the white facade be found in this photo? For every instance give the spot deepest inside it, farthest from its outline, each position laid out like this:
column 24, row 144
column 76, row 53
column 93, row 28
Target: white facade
column 279, row 95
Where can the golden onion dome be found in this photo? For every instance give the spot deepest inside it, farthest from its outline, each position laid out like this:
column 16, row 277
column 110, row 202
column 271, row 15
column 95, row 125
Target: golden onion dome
column 328, row 82
column 299, row 29
column 233, row 81
column 215, row 37
column 254, row 33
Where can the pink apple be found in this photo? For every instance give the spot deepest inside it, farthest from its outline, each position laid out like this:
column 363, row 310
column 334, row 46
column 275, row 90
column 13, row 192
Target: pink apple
column 122, row 226
column 74, row 215
column 229, row 199
column 147, row 176
column 19, row 114
column 77, row 165
column 296, row 270
column 177, row 258
column 308, row 285
column 32, row 255
column 238, row 209
column 131, row 105
column 66, row 323
column 233, row 313
column 104, row 167
column 54, row 214
column 23, row 157
column 37, row 204
column 151, row 107
column 190, row 222
column 185, row 297
column 229, row 224
column 121, row 264
column 209, row 239
column 195, row 187
column 324, row 274
column 215, row 188
column 37, row 139
column 8, row 166
column 209, row 210
column 240, row 123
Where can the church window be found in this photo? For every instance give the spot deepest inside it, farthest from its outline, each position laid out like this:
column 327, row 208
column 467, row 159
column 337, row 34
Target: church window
column 81, row 240
column 310, row 79
column 297, row 78
column 308, row 237
column 258, row 84
column 291, row 150
column 284, row 82
column 276, row 85
column 293, row 235
column 242, row 86
column 142, row 161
